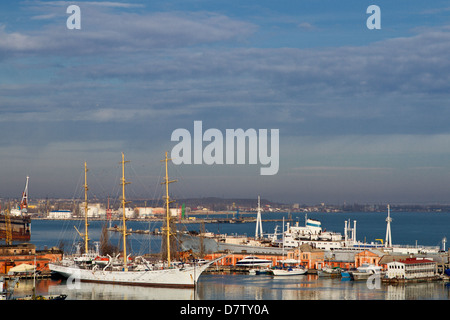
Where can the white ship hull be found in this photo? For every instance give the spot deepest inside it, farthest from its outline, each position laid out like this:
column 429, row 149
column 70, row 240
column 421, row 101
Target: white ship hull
column 289, row 272
column 176, row 277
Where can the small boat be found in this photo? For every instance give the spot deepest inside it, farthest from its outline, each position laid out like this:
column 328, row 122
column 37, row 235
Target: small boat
column 365, row 271
column 263, row 271
column 253, row 261
column 369, row 268
column 44, row 297
column 327, row 271
column 294, row 271
column 258, row 271
column 346, row 275
column 362, row 273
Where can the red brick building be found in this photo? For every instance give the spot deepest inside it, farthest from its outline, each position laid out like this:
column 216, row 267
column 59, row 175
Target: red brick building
column 26, row 253
column 368, row 256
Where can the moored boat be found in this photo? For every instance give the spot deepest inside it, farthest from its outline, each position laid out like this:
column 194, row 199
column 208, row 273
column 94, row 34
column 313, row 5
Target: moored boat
column 289, row 271
column 347, row 274
column 364, row 272
column 253, row 261
column 44, row 297
column 369, row 268
column 259, row 271
column 327, row 271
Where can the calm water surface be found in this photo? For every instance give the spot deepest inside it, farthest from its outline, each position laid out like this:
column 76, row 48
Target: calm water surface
column 246, row 287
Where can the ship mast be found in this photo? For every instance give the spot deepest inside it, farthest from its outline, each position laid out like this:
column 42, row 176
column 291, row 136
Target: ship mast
column 86, row 224
column 86, row 188
column 124, row 202
column 167, row 198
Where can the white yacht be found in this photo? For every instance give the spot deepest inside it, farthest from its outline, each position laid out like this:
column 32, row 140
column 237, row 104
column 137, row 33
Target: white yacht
column 253, row 261
column 289, row 271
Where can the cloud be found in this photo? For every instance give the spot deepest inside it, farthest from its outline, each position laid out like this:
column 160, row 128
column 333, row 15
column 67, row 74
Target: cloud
column 392, row 86
column 44, row 16
column 110, row 4
column 104, row 32
column 306, row 26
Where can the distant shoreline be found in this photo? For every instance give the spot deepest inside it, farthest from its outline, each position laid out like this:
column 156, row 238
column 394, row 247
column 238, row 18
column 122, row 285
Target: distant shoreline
column 192, row 214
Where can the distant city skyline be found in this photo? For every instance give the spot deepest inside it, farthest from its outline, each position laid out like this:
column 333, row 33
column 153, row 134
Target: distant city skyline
column 363, row 114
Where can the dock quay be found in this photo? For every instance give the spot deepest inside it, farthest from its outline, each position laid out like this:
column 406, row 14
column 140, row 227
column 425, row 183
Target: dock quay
column 39, row 275
column 228, row 220
column 416, row 280
column 224, row 269
column 230, row 269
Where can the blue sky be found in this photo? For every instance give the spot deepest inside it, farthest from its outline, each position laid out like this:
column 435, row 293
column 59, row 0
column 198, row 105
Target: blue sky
column 363, row 114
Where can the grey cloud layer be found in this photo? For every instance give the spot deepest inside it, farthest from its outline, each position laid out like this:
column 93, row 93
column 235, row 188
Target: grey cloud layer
column 161, row 61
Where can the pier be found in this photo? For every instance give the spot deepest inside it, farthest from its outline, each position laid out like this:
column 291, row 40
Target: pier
column 228, row 220
column 37, row 276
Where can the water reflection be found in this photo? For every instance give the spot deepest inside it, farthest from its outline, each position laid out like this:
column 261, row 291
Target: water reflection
column 98, row 291
column 244, row 287
column 310, row 287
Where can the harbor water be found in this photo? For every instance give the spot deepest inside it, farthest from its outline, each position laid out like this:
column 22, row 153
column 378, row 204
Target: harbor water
column 408, row 228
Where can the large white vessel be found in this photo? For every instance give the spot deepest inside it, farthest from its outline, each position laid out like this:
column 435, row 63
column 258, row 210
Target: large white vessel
column 146, row 276
column 312, row 234
column 136, row 272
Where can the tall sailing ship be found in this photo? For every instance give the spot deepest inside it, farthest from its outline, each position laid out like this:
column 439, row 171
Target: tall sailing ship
column 15, row 223
column 132, row 272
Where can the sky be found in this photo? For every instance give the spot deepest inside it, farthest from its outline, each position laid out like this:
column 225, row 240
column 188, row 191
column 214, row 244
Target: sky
column 363, row 114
